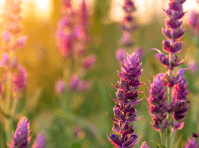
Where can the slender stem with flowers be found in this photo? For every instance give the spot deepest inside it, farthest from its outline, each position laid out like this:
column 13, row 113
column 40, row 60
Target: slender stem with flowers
column 177, row 104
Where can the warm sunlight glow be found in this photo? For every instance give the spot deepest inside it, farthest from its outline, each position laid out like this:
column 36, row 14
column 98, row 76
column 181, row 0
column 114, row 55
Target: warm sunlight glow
column 191, row 5
column 146, row 9
column 42, row 4
column 43, row 9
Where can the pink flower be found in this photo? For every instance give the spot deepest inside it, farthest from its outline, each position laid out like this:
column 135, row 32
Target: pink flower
column 21, row 42
column 89, row 61
column 19, row 79
column 120, row 54
column 60, row 87
column 6, row 36
column 21, row 137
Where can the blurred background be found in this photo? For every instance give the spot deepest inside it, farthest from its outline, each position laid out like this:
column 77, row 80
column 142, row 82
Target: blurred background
column 43, row 63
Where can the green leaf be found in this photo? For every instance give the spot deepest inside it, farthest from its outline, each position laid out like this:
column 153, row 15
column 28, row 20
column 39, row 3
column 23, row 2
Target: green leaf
column 158, row 144
column 31, row 103
column 3, row 116
column 74, row 118
column 176, row 144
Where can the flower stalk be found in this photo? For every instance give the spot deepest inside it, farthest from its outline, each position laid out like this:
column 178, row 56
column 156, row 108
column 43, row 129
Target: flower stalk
column 124, row 110
column 173, row 111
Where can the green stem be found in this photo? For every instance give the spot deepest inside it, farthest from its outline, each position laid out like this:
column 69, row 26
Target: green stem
column 14, row 106
column 8, row 93
column 161, row 137
column 2, row 104
column 172, row 136
column 9, row 128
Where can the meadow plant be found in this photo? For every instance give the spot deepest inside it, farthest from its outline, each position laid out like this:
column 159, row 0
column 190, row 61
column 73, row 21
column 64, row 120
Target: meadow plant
column 14, row 76
column 168, row 110
column 128, row 26
column 192, row 143
column 124, row 110
column 72, row 38
column 21, row 137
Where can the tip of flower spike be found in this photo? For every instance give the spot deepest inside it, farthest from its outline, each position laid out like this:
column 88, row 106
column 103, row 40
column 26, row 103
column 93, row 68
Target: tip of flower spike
column 181, row 71
column 21, row 137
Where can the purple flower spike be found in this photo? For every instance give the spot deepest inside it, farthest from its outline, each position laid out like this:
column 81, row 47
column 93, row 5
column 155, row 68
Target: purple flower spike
column 191, row 143
column 64, row 42
column 124, row 110
column 179, row 105
column 60, row 87
column 21, row 137
column 173, row 30
column 157, row 104
column 19, row 79
column 83, row 15
column 144, row 145
column 120, row 55
column 40, row 142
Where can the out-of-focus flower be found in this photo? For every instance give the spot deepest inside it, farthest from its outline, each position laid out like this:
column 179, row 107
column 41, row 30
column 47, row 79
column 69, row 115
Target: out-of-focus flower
column 83, row 15
column 83, row 86
column 40, row 141
column 140, row 52
column 79, row 33
column 2, row 88
column 21, row 42
column 120, row 54
column 126, row 41
column 124, row 110
column 193, row 67
column 158, row 106
column 60, row 87
column 21, row 137
column 12, row 17
column 5, row 60
column 144, row 145
column 89, row 61
column 74, row 82
column 64, row 42
column 19, row 79
column 191, row 143
column 6, row 36
column 193, row 20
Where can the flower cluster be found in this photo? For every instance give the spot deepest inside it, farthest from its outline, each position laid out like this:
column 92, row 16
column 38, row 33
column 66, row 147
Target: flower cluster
column 72, row 38
column 21, row 137
column 124, row 110
column 157, row 104
column 191, row 143
column 159, row 109
column 12, row 41
column 128, row 26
